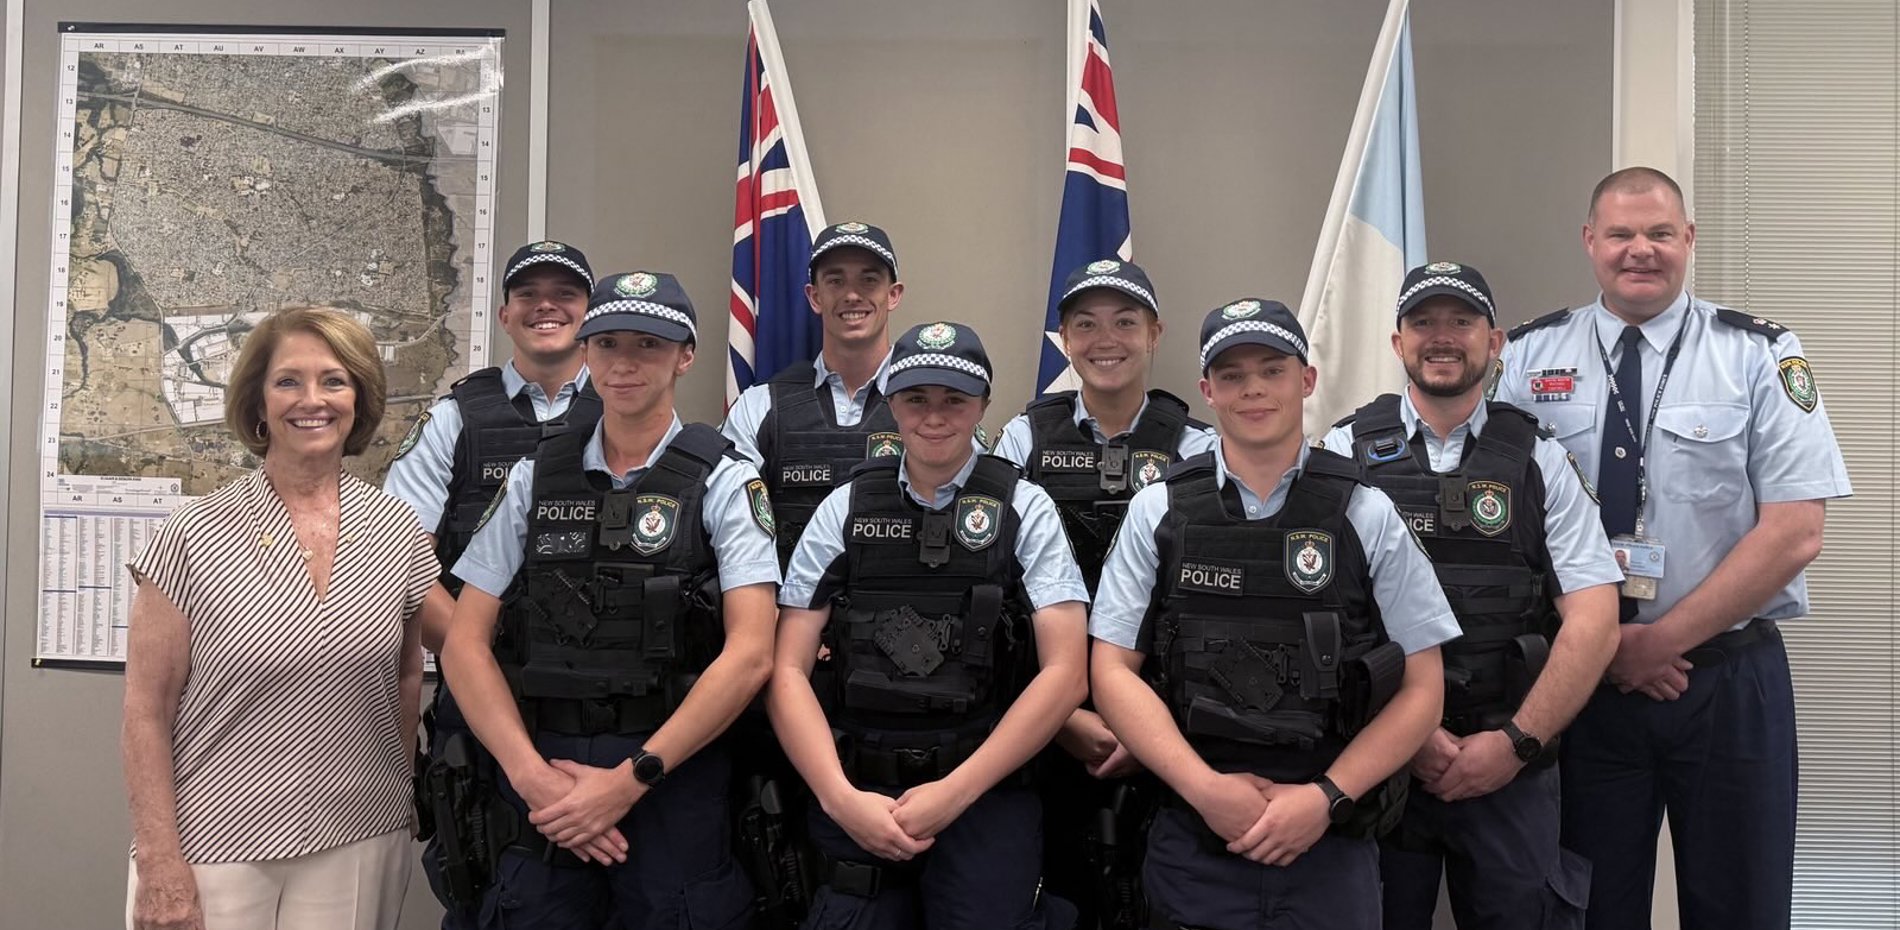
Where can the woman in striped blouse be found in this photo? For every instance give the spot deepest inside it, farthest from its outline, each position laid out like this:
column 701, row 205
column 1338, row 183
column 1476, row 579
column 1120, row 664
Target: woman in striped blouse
column 273, row 672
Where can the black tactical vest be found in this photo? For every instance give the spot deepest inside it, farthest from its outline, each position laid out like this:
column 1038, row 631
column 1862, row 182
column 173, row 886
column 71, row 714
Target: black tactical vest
column 1483, row 525
column 930, row 637
column 616, row 609
column 1270, row 650
column 806, row 452
column 497, row 432
column 1091, row 481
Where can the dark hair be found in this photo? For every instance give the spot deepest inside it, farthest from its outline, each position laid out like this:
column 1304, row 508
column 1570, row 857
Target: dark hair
column 1634, row 180
column 349, row 340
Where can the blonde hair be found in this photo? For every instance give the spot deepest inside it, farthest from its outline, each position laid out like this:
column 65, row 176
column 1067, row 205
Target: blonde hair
column 349, row 340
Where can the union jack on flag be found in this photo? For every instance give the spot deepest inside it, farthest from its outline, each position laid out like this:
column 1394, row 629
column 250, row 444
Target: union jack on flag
column 776, row 215
column 1094, row 221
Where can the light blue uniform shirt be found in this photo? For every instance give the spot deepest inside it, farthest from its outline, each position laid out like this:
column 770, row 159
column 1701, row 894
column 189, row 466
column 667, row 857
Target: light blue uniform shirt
column 744, row 551
column 1050, row 575
column 1403, row 584
column 1573, row 531
column 1728, row 433
column 420, row 477
column 748, row 412
column 1018, row 439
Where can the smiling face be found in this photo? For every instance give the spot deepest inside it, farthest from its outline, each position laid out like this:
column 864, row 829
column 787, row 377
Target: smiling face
column 635, row 372
column 853, row 294
column 937, row 424
column 1446, row 346
column 545, row 306
column 1255, row 392
column 1639, row 244
column 309, row 399
column 1110, row 339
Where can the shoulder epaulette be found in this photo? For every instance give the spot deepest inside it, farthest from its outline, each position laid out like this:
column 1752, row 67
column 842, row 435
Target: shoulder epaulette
column 1755, row 324
column 1548, row 319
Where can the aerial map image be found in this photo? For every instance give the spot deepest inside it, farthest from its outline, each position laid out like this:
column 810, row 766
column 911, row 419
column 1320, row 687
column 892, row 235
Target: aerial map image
column 209, row 189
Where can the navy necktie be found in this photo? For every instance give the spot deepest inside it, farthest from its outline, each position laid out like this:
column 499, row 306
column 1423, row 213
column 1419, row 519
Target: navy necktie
column 1617, row 460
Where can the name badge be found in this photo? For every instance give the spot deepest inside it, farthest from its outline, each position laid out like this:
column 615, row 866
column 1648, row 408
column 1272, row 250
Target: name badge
column 1208, row 577
column 882, row 529
column 1641, row 560
column 815, row 475
column 555, row 510
column 495, row 471
column 1551, row 384
column 1067, row 460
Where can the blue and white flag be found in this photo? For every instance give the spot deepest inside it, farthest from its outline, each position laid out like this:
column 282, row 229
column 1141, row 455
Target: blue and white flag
column 1094, row 222
column 1374, row 232
column 776, row 216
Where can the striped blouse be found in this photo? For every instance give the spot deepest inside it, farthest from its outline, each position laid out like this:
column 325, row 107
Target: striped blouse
column 288, row 737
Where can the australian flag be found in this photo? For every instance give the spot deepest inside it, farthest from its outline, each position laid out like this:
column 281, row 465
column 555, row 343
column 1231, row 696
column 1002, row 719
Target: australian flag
column 776, row 215
column 1094, row 222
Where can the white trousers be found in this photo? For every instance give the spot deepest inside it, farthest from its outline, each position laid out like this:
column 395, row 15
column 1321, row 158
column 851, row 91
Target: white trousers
column 359, row 886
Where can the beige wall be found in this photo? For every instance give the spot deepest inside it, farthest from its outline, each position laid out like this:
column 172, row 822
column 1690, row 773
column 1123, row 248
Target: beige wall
column 940, row 122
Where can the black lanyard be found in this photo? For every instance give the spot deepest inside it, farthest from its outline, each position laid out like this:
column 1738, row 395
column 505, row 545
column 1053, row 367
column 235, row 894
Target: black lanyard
column 1649, row 422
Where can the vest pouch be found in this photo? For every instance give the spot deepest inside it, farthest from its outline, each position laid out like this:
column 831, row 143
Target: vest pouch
column 1523, row 661
column 1319, row 667
column 1381, row 810
column 948, row 694
column 1208, row 717
column 1372, row 678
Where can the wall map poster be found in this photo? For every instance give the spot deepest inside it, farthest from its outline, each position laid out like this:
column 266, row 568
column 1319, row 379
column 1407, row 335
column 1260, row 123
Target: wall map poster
column 204, row 178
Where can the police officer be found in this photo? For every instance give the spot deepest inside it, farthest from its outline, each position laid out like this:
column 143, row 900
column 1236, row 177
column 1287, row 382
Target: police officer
column 805, row 428
column 630, row 574
column 1714, row 460
column 955, row 615
column 1293, row 624
column 1514, row 534
column 810, row 423
column 458, row 453
column 1092, row 450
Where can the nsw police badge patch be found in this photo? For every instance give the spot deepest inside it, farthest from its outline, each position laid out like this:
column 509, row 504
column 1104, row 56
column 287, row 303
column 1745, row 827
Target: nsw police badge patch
column 1146, row 468
column 760, row 504
column 414, row 435
column 655, row 517
column 879, row 445
column 1309, row 559
column 1798, row 380
column 977, row 520
column 1490, row 506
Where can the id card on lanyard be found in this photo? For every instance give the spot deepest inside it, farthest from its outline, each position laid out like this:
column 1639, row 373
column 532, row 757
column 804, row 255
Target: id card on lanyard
column 1640, row 556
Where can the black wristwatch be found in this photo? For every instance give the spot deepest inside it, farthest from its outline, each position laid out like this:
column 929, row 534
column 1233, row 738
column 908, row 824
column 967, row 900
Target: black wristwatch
column 1526, row 746
column 649, row 769
column 1339, row 807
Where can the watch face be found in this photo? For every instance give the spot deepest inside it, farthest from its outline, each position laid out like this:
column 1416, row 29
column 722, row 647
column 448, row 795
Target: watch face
column 649, row 769
column 1342, row 809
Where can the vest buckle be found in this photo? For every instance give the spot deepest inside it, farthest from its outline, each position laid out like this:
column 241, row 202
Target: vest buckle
column 1112, row 465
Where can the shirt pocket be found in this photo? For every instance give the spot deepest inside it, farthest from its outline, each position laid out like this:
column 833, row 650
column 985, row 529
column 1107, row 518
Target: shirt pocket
column 1572, row 424
column 1703, row 454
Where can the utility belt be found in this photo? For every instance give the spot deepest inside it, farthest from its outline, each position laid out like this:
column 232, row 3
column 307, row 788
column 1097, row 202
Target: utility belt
column 1729, row 645
column 907, row 766
column 620, row 716
column 868, row 880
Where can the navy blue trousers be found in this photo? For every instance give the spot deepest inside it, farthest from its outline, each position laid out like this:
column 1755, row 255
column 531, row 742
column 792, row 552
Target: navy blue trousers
column 679, row 870
column 981, row 874
column 1720, row 761
column 1192, row 879
column 1498, row 853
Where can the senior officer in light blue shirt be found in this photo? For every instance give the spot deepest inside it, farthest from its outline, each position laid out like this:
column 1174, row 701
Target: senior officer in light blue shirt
column 958, row 636
column 1523, row 558
column 641, row 576
column 1714, row 460
column 1234, row 581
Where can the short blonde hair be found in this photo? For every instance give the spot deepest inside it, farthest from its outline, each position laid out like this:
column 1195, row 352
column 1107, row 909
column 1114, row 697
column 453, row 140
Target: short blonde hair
column 353, row 346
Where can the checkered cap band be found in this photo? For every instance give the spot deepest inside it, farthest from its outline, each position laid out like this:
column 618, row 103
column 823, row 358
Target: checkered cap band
column 1120, row 284
column 1455, row 284
column 863, row 242
column 940, row 360
column 549, row 258
column 647, row 308
column 1251, row 326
